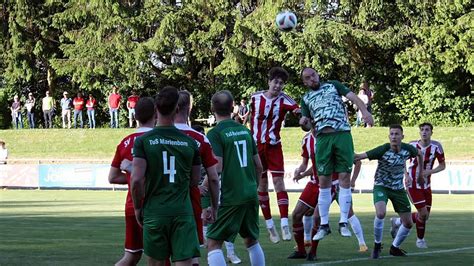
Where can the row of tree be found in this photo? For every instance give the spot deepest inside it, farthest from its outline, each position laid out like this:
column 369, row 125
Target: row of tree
column 418, row 56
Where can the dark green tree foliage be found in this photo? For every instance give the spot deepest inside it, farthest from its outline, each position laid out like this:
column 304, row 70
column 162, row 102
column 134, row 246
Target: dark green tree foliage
column 417, row 55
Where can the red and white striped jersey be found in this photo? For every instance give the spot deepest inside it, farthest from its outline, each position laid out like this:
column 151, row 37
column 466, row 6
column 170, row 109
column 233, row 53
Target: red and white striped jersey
column 430, row 154
column 307, row 151
column 267, row 116
column 205, row 150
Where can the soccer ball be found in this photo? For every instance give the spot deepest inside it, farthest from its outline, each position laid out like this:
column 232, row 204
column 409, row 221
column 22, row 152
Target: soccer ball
column 286, row 20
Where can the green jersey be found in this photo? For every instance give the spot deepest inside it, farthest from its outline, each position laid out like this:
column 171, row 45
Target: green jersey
column 325, row 107
column 235, row 144
column 391, row 165
column 170, row 156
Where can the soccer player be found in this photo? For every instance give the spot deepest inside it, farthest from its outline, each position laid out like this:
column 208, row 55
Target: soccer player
column 268, row 109
column 239, row 166
column 120, row 174
column 209, row 162
column 323, row 109
column 420, row 195
column 388, row 185
column 166, row 163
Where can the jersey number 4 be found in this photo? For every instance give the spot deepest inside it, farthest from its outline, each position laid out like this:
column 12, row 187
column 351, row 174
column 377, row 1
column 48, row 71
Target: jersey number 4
column 171, row 170
column 242, row 156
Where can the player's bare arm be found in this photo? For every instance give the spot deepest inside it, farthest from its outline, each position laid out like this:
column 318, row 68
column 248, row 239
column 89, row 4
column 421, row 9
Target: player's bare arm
column 258, row 167
column 116, row 176
column 195, row 175
column 355, row 174
column 212, row 182
column 137, row 186
column 441, row 166
column 365, row 113
column 360, row 156
column 420, row 179
column 305, row 123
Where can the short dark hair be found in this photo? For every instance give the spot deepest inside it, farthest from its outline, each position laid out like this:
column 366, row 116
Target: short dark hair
column 396, row 126
column 278, row 72
column 426, row 124
column 198, row 128
column 185, row 99
column 145, row 109
column 166, row 100
column 222, row 102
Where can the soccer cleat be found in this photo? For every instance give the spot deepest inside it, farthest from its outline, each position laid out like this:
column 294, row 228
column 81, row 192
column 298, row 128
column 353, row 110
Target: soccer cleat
column 394, row 228
column 297, row 255
column 311, row 257
column 398, row 252
column 274, row 237
column 344, row 230
column 377, row 250
column 323, row 231
column 232, row 258
column 363, row 248
column 421, row 243
column 285, row 233
column 307, row 243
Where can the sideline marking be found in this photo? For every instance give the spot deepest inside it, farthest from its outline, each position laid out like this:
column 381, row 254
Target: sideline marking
column 389, row 256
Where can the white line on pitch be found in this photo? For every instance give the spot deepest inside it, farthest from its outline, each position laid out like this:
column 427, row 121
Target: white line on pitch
column 382, row 257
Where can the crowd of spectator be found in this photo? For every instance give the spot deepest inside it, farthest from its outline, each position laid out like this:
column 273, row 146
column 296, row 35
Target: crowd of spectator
column 75, row 105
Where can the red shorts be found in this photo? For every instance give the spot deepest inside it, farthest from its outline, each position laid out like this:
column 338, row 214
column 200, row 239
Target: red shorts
column 197, row 210
column 309, row 196
column 420, row 197
column 272, row 158
column 133, row 235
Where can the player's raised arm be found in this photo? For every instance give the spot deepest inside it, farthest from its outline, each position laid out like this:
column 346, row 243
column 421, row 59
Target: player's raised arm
column 363, row 109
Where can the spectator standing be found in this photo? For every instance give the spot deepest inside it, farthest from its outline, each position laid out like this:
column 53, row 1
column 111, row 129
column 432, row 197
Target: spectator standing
column 3, row 152
column 90, row 104
column 48, row 109
column 370, row 95
column 365, row 99
column 78, row 103
column 131, row 103
column 30, row 110
column 235, row 112
column 243, row 111
column 66, row 110
column 16, row 112
column 114, row 105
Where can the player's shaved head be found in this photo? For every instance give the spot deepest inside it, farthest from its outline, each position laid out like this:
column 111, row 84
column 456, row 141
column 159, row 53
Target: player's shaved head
column 145, row 110
column 185, row 101
column 166, row 100
column 222, row 103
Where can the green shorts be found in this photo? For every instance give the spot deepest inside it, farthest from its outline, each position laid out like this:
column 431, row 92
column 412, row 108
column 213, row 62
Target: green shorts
column 399, row 198
column 170, row 236
column 334, row 153
column 205, row 202
column 242, row 219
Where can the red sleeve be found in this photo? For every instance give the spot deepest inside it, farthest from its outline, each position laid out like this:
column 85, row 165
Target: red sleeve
column 117, row 160
column 207, row 155
column 304, row 151
column 440, row 155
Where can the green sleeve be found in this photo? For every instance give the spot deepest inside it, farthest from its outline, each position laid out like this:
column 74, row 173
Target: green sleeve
column 138, row 149
column 378, row 152
column 341, row 89
column 412, row 150
column 304, row 109
column 213, row 137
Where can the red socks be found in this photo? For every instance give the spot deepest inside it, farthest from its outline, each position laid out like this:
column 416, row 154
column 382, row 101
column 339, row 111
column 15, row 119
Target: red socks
column 264, row 201
column 298, row 233
column 282, row 197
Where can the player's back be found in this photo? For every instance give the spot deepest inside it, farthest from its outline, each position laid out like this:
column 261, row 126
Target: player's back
column 170, row 155
column 234, row 143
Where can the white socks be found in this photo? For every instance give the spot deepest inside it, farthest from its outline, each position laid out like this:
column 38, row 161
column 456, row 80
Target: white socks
column 307, row 225
column 402, row 233
column 357, row 228
column 269, row 223
column 398, row 222
column 324, row 202
column 216, row 258
column 229, row 246
column 257, row 258
column 345, row 201
column 378, row 230
column 284, row 222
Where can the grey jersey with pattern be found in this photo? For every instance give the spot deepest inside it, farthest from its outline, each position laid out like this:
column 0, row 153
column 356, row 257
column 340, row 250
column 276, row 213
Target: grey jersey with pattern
column 391, row 165
column 325, row 106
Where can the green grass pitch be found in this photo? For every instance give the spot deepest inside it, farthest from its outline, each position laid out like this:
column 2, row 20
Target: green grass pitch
column 71, row 227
